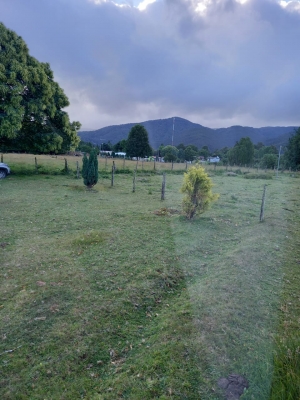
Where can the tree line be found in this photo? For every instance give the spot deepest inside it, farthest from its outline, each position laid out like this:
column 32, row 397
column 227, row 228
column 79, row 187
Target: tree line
column 244, row 152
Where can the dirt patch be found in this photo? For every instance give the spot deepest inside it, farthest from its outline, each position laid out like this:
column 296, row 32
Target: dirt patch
column 234, row 386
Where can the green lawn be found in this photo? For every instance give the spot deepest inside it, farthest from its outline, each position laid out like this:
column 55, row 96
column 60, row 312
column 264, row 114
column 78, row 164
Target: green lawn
column 102, row 298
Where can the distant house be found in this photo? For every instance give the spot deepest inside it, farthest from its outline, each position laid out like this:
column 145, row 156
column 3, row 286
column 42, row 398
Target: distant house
column 106, row 153
column 120, row 154
column 213, row 159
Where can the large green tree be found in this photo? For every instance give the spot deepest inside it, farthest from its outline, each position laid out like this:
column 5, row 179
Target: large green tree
column 170, row 153
column 138, row 142
column 242, row 153
column 31, row 102
column 292, row 152
column 190, row 153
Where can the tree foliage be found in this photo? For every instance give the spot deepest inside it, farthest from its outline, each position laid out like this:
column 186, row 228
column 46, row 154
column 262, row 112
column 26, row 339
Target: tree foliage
column 269, row 160
column 170, row 153
column 292, row 153
column 190, row 153
column 90, row 169
column 242, row 153
column 138, row 142
column 120, row 146
column 197, row 187
column 31, row 102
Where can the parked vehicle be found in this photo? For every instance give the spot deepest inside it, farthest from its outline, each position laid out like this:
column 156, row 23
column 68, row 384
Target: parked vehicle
column 4, row 170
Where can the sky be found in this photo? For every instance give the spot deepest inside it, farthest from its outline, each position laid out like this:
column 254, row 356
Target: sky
column 214, row 62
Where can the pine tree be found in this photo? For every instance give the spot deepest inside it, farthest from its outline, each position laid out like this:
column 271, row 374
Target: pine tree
column 138, row 142
column 90, row 169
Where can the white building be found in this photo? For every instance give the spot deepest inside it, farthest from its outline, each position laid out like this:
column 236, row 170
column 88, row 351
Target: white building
column 213, row 159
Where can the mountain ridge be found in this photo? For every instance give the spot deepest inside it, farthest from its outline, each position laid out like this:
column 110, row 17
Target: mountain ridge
column 160, row 131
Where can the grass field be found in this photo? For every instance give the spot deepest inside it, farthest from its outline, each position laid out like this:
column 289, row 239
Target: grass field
column 109, row 294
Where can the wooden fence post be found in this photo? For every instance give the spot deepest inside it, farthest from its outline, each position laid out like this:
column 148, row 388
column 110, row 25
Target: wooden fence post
column 154, row 165
column 66, row 166
column 1, row 157
column 105, row 162
column 112, row 175
column 36, row 165
column 163, row 187
column 133, row 184
column 262, row 209
column 172, row 165
column 124, row 163
column 77, row 168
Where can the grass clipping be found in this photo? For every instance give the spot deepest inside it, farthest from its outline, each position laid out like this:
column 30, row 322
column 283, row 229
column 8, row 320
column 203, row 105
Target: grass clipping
column 198, row 194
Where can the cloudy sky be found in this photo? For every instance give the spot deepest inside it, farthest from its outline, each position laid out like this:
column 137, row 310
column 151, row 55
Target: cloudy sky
column 215, row 62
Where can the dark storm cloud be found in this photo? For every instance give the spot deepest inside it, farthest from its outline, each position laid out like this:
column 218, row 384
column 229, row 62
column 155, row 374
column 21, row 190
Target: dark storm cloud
column 232, row 63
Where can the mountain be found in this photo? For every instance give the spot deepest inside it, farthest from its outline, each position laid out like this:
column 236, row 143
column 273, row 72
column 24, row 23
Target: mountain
column 160, row 131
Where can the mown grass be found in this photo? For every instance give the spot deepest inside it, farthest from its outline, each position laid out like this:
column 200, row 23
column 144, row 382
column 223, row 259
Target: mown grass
column 105, row 297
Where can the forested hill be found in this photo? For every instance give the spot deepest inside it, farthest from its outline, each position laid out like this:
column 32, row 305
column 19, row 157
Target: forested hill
column 160, row 132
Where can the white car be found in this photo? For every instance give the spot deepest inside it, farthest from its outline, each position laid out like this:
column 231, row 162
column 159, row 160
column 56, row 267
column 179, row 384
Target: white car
column 4, row 170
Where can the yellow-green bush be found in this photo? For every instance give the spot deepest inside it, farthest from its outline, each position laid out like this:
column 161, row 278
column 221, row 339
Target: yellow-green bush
column 197, row 186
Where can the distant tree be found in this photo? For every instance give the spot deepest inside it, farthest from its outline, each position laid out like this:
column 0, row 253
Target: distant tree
column 170, row 153
column 292, row 152
column 85, row 147
column 181, row 146
column 120, row 146
column 181, row 155
column 269, row 161
column 107, row 146
column 90, row 170
column 223, row 154
column 138, row 142
column 197, row 187
column 204, row 152
column 258, row 145
column 31, row 102
column 242, row 153
column 190, row 153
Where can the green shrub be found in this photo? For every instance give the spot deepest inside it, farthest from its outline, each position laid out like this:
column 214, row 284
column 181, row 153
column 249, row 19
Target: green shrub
column 197, row 187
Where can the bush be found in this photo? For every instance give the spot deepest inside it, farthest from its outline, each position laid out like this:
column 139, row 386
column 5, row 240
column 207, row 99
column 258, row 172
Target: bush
column 197, row 186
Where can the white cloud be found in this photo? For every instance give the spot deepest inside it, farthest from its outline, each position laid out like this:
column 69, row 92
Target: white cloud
column 293, row 5
column 143, row 5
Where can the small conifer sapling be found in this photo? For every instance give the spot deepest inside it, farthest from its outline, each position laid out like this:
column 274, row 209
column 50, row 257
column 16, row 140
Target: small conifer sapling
column 90, row 169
